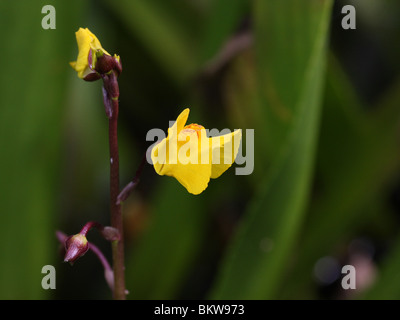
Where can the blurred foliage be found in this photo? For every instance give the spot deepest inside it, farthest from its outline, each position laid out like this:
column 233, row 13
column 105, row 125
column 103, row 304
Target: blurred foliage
column 324, row 104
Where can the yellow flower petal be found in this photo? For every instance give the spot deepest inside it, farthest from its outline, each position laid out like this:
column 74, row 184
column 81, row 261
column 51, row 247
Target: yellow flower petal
column 157, row 158
column 162, row 150
column 224, row 151
column 193, row 175
column 180, row 122
column 86, row 41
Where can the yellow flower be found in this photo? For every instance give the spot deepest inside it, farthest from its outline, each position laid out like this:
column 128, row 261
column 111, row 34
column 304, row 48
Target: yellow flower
column 191, row 157
column 86, row 41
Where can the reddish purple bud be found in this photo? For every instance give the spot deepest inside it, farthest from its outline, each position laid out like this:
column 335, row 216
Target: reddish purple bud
column 110, row 234
column 75, row 246
column 104, row 63
column 118, row 65
column 93, row 76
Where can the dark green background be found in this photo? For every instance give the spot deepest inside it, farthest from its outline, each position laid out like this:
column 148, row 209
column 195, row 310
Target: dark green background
column 324, row 104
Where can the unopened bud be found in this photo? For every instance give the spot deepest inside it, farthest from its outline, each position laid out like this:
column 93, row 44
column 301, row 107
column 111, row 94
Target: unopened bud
column 110, row 234
column 75, row 246
column 93, row 76
column 118, row 65
column 104, row 63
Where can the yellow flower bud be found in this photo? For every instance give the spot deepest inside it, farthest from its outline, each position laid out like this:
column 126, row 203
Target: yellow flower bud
column 87, row 42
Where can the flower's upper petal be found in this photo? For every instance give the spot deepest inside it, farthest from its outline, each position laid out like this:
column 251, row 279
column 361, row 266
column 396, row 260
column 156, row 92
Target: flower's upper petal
column 96, row 45
column 224, row 151
column 179, row 123
column 83, row 37
column 160, row 153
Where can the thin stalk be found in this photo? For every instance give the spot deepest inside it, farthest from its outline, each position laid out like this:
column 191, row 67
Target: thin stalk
column 116, row 214
column 126, row 191
column 89, row 226
column 108, row 233
column 108, row 272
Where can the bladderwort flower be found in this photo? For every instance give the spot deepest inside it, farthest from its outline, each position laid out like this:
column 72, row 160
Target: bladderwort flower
column 191, row 157
column 93, row 60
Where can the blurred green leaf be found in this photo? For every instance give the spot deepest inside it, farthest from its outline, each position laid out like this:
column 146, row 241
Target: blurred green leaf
column 354, row 163
column 240, row 89
column 34, row 73
column 291, row 74
column 285, row 34
column 161, row 33
column 159, row 264
column 220, row 24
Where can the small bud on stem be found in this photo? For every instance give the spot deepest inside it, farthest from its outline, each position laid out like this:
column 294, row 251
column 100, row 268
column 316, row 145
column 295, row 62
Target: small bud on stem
column 108, row 272
column 75, row 246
